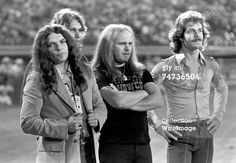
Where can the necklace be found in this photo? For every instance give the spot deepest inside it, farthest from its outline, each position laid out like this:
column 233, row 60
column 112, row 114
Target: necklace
column 65, row 77
column 124, row 77
column 62, row 73
column 68, row 81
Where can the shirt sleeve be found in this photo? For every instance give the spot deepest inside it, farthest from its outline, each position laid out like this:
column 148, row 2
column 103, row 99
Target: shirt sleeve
column 32, row 105
column 102, row 79
column 220, row 92
column 147, row 77
column 157, row 72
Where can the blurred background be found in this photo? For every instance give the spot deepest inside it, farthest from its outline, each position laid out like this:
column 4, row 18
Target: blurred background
column 151, row 21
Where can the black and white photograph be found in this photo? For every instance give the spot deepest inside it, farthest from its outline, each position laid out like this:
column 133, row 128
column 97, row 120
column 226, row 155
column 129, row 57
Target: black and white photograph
column 117, row 81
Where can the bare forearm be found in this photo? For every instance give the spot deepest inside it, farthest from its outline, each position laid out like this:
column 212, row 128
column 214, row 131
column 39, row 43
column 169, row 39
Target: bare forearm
column 152, row 101
column 122, row 99
column 153, row 119
column 129, row 99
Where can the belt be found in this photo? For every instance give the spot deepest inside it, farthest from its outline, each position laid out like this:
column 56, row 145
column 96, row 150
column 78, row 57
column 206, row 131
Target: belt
column 199, row 123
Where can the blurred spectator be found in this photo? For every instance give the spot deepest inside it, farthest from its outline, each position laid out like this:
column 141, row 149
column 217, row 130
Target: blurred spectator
column 5, row 87
column 17, row 71
column 151, row 19
column 151, row 61
column 3, row 78
column 17, row 67
column 5, row 65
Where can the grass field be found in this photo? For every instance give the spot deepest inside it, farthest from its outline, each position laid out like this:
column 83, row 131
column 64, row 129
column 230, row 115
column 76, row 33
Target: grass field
column 17, row 147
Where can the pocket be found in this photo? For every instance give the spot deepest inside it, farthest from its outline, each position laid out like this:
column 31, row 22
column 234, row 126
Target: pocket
column 50, row 145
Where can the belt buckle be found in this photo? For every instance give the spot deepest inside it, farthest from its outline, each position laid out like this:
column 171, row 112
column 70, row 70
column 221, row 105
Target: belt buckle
column 200, row 123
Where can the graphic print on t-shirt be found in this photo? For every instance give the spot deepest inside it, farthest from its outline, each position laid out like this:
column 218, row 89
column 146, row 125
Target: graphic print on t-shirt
column 132, row 83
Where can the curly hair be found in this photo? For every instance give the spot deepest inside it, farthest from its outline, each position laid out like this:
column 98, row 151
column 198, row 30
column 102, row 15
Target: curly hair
column 177, row 32
column 43, row 63
column 103, row 57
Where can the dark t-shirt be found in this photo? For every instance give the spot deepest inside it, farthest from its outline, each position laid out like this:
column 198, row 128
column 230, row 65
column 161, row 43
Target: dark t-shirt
column 124, row 126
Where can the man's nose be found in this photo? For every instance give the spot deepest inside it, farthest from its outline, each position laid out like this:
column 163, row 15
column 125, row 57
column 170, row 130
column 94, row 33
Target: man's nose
column 126, row 47
column 197, row 34
column 78, row 34
column 58, row 46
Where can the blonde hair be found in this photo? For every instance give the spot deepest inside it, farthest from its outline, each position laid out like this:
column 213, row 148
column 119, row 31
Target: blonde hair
column 103, row 56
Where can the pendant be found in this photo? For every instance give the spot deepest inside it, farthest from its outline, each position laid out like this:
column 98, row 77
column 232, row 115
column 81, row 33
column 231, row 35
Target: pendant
column 125, row 78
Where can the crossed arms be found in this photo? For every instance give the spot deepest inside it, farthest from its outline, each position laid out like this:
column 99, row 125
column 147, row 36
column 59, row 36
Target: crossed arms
column 142, row 100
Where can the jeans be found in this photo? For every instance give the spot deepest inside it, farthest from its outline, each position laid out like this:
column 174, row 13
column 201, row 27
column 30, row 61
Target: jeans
column 194, row 146
column 122, row 153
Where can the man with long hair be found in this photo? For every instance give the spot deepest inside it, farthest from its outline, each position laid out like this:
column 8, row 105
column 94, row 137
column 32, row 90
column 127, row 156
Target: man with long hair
column 187, row 77
column 74, row 22
column 61, row 103
column 128, row 91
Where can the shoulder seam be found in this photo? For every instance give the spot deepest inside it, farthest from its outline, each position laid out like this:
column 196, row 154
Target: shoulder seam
column 32, row 74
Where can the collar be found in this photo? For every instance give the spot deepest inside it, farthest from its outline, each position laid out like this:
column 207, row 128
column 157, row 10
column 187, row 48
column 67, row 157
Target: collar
column 180, row 58
column 68, row 71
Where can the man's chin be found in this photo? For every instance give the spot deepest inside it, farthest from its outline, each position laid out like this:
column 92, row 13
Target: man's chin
column 79, row 43
column 194, row 47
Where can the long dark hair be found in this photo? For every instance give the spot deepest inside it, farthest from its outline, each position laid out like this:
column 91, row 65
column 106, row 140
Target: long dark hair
column 42, row 62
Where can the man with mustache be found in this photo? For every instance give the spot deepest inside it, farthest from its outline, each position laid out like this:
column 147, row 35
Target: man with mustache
column 187, row 77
